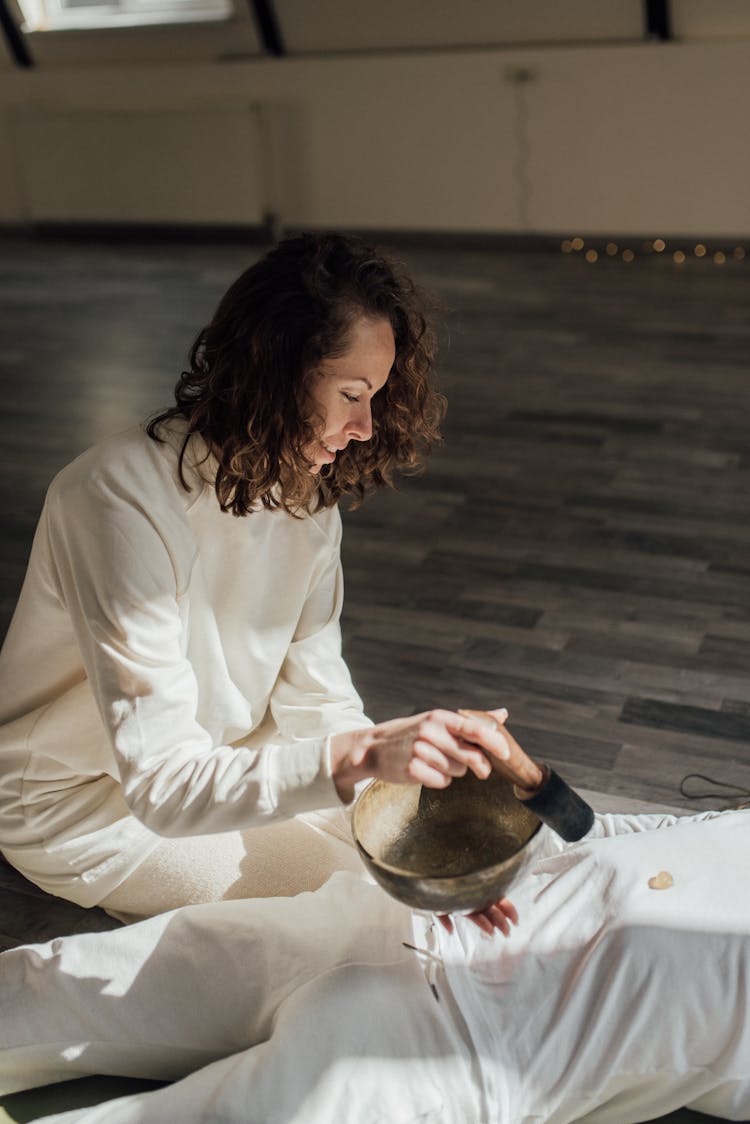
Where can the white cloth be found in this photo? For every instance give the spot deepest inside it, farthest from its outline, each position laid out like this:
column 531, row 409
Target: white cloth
column 170, row 669
column 614, row 1002
column 327, row 973
column 280, row 859
column 611, row 1002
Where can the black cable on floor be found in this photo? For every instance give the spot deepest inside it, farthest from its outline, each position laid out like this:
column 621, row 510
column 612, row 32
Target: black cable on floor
column 732, row 791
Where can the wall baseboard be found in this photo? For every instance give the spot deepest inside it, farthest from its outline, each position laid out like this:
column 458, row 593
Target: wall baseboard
column 252, row 234
column 267, row 233
column 259, row 234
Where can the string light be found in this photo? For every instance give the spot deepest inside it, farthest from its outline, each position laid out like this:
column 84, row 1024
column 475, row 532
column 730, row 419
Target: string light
column 717, row 255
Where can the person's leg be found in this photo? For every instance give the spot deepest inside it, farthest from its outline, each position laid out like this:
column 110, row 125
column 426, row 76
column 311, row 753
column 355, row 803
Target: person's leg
column 280, row 860
column 163, row 997
column 359, row 1043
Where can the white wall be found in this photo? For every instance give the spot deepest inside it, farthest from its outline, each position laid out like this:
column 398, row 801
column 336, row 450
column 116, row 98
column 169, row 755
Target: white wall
column 646, row 138
column 719, row 19
column 125, row 162
column 330, row 25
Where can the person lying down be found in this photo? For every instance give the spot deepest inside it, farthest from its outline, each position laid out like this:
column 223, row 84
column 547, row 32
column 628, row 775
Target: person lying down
column 621, row 994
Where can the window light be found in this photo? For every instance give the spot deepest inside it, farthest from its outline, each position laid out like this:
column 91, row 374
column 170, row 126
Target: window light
column 65, row 15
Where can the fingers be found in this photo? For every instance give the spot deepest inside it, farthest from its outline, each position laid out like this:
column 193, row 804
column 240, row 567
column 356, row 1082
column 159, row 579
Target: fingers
column 496, row 916
column 489, row 919
column 478, row 731
column 419, row 772
column 431, row 753
column 437, row 746
column 430, row 749
column 511, row 760
column 482, row 921
column 447, row 744
column 460, row 749
column 510, row 911
column 498, row 919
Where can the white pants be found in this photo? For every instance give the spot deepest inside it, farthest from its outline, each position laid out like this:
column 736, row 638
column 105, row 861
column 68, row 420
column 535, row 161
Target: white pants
column 278, row 860
column 611, row 1002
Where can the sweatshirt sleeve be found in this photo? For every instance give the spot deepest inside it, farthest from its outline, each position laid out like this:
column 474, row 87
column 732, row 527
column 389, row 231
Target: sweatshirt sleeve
column 607, row 824
column 121, row 580
column 314, row 691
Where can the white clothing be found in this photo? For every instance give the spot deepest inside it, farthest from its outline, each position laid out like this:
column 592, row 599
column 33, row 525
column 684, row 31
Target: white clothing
column 170, row 669
column 611, row 1002
column 620, row 1002
column 168, row 995
column 280, row 859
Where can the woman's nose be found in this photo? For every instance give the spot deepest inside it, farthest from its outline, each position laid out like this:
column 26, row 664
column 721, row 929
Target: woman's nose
column 360, row 425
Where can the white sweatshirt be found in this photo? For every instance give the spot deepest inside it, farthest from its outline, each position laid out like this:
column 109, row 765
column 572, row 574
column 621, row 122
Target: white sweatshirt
column 170, row 669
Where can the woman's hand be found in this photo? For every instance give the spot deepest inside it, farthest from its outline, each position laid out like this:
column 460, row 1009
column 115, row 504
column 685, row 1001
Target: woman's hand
column 498, row 915
column 427, row 749
column 526, row 775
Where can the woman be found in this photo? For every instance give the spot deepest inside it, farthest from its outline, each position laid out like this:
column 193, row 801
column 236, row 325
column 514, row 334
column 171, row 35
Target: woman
column 172, row 686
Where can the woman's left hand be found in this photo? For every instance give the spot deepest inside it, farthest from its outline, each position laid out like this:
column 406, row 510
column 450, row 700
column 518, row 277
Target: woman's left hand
column 498, row 915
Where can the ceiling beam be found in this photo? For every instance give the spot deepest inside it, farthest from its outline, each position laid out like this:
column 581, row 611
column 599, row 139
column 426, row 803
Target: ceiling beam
column 658, row 20
column 268, row 27
column 14, row 37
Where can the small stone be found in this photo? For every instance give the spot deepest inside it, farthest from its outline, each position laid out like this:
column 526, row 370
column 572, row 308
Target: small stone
column 661, row 881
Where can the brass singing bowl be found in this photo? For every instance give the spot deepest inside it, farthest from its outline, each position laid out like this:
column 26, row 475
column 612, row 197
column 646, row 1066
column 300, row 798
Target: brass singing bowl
column 449, row 850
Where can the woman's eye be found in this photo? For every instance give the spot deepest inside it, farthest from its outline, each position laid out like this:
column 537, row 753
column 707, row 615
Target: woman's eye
column 350, row 397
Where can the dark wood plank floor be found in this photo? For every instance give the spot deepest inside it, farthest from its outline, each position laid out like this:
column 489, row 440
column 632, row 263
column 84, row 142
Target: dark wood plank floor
column 578, row 549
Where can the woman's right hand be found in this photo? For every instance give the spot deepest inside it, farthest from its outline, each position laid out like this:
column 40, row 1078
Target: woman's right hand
column 425, row 749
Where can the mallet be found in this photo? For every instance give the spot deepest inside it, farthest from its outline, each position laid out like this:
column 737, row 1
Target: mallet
column 539, row 787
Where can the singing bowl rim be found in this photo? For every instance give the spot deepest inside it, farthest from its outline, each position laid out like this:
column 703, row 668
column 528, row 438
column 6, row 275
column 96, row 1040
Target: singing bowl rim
column 404, row 873
column 444, row 892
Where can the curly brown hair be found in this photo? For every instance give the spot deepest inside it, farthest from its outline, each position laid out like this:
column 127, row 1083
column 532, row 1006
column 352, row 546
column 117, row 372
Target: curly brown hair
column 247, row 391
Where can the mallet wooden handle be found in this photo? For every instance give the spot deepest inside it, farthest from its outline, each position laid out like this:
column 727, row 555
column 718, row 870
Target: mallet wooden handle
column 519, row 768
column 539, row 787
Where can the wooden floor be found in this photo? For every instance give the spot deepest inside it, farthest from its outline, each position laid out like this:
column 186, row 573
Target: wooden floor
column 579, row 548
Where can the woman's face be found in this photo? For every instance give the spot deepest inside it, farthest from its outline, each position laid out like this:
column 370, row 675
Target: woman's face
column 343, row 388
